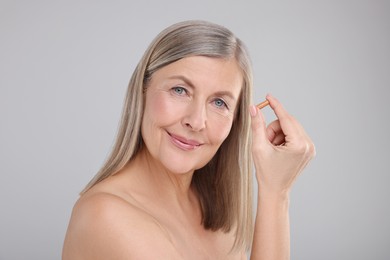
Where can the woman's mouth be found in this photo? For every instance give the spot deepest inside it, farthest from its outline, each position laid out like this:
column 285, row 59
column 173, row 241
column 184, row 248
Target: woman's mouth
column 184, row 143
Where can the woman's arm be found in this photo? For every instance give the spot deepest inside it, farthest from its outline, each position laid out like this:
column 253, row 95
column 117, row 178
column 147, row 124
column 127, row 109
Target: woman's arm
column 280, row 153
column 272, row 232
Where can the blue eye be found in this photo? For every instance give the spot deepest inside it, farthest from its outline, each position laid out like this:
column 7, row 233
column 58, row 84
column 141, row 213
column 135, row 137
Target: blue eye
column 220, row 103
column 179, row 90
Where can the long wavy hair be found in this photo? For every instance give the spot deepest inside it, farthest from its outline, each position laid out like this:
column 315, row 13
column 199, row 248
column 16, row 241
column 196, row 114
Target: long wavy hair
column 224, row 185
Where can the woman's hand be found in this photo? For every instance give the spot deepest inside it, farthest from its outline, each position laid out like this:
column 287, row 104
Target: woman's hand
column 280, row 150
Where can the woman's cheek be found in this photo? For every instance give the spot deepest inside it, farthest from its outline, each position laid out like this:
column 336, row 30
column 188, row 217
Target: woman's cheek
column 164, row 106
column 221, row 127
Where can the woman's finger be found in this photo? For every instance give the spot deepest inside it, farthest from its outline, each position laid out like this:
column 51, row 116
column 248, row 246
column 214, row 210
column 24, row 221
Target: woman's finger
column 258, row 126
column 274, row 131
column 279, row 139
column 289, row 126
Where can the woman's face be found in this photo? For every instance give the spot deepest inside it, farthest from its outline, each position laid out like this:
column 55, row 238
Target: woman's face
column 189, row 111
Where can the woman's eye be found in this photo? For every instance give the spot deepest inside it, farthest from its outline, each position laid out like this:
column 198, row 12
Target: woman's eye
column 179, row 90
column 220, row 103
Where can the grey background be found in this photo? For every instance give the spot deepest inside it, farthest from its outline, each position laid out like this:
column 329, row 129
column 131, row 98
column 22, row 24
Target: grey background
column 64, row 69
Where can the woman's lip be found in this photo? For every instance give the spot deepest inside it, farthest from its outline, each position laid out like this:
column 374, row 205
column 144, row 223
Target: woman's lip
column 183, row 143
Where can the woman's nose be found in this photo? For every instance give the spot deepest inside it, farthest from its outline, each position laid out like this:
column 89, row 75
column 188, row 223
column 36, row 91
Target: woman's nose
column 196, row 117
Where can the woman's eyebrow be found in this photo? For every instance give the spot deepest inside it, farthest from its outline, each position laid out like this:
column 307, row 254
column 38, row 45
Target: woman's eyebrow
column 188, row 82
column 227, row 94
column 183, row 78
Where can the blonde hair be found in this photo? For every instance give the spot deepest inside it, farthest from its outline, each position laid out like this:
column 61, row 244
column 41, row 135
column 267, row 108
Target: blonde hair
column 224, row 185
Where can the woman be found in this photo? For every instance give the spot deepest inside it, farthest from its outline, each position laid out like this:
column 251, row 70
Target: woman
column 177, row 184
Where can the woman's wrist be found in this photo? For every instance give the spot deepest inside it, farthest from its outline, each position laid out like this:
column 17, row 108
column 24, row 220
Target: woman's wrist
column 273, row 195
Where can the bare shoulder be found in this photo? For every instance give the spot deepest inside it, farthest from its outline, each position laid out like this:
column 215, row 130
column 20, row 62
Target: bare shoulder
column 106, row 226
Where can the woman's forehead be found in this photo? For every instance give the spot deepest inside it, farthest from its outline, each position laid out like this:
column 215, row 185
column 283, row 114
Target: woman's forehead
column 197, row 71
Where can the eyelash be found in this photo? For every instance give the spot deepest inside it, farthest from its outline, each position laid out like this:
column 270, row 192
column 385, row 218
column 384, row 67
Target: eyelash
column 174, row 89
column 223, row 105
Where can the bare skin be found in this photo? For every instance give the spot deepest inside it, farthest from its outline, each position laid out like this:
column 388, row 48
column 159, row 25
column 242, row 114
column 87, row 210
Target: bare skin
column 281, row 151
column 125, row 218
column 149, row 210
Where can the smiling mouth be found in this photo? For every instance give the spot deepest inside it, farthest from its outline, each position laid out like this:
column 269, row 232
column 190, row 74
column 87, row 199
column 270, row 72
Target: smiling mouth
column 183, row 143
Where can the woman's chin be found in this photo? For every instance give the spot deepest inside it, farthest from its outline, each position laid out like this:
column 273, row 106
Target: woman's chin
column 182, row 168
column 179, row 170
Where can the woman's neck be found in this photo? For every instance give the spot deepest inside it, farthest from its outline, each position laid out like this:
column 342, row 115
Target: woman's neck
column 158, row 181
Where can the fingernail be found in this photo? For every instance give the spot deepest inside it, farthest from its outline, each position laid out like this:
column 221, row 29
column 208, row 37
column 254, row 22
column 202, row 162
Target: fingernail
column 252, row 110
